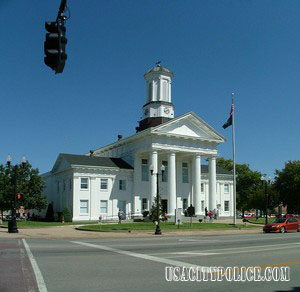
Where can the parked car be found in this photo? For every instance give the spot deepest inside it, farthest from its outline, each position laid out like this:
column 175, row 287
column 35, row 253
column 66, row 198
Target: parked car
column 291, row 216
column 283, row 225
column 249, row 215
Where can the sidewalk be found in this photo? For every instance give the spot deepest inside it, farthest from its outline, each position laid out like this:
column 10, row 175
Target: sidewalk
column 69, row 231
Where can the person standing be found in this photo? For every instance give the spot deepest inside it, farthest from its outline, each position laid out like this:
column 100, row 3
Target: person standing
column 210, row 214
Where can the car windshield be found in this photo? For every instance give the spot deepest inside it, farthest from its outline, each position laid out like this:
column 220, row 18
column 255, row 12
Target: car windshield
column 279, row 220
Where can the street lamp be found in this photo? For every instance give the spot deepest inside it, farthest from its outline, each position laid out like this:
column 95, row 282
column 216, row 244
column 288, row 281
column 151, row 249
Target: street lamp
column 266, row 182
column 12, row 224
column 157, row 230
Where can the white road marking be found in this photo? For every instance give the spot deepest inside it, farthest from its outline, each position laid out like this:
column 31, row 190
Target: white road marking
column 176, row 243
column 198, row 240
column 38, row 275
column 197, row 253
column 139, row 255
column 226, row 251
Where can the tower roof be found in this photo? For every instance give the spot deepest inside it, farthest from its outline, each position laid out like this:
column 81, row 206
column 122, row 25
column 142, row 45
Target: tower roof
column 158, row 68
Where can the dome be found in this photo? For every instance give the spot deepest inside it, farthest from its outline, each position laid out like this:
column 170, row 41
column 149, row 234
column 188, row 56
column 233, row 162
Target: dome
column 158, row 68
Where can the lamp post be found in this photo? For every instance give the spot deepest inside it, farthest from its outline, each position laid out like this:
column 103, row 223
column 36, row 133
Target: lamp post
column 157, row 230
column 266, row 182
column 12, row 224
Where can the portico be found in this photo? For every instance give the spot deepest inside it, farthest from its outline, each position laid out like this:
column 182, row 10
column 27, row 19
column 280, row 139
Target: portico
column 182, row 179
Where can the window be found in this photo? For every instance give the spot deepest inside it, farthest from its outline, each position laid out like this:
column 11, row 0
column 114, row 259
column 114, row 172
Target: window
column 84, row 184
column 202, row 187
column 145, row 170
column 84, row 209
column 64, row 185
column 122, row 184
column 144, row 204
column 57, row 186
column 185, row 172
column 202, row 206
column 103, row 184
column 165, row 90
column 185, row 204
column 226, row 188
column 226, row 206
column 103, row 206
column 164, row 177
column 150, row 91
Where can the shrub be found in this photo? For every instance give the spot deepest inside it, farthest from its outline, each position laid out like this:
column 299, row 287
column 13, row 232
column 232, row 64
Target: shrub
column 67, row 215
column 59, row 216
column 50, row 213
column 153, row 211
column 145, row 214
column 55, row 217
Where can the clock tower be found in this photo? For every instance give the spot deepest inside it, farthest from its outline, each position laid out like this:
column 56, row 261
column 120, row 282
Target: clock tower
column 158, row 108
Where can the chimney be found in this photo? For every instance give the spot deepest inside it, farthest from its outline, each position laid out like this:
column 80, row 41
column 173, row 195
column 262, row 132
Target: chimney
column 120, row 137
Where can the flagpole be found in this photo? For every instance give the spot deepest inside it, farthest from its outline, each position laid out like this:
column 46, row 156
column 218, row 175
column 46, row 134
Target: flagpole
column 233, row 159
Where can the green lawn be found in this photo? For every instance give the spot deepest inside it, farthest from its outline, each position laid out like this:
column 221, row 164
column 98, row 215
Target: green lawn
column 38, row 224
column 261, row 220
column 163, row 226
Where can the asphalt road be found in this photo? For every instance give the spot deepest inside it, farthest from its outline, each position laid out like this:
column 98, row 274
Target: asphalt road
column 138, row 264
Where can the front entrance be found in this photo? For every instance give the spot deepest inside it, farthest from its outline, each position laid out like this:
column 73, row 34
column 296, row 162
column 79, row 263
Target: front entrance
column 122, row 208
column 164, row 206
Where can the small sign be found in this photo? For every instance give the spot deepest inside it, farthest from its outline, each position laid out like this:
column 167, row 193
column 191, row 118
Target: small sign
column 178, row 216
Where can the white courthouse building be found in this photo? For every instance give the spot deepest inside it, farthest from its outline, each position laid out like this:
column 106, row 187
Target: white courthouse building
column 117, row 176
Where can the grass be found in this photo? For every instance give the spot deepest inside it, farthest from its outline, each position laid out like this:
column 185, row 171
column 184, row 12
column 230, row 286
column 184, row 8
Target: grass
column 39, row 224
column 164, row 226
column 261, row 220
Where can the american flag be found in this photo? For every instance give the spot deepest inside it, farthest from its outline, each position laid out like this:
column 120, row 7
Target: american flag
column 229, row 121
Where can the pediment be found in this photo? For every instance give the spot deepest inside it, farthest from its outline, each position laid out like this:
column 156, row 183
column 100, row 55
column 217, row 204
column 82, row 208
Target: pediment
column 189, row 126
column 61, row 164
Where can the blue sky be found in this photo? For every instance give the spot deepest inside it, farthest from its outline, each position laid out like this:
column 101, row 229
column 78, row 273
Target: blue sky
column 214, row 48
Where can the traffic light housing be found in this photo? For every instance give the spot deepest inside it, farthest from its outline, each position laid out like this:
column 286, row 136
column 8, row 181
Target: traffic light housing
column 20, row 197
column 55, row 45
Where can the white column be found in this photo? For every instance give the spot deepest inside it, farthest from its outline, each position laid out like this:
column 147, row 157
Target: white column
column 160, row 89
column 171, row 183
column 169, row 100
column 136, row 183
column 212, row 183
column 197, row 183
column 153, row 180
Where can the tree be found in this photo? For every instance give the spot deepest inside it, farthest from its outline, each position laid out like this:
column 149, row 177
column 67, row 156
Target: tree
column 153, row 211
column 5, row 202
column 248, row 183
column 28, row 183
column 287, row 183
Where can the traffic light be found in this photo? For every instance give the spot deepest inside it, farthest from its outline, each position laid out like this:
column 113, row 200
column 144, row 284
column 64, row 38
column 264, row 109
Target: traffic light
column 55, row 45
column 20, row 197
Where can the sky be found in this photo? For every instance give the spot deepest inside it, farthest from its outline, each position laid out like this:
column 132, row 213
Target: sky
column 214, row 48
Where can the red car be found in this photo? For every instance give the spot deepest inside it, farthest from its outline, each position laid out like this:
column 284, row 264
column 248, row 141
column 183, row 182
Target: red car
column 283, row 225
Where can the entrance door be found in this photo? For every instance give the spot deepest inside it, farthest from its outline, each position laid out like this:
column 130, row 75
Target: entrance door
column 164, row 206
column 122, row 208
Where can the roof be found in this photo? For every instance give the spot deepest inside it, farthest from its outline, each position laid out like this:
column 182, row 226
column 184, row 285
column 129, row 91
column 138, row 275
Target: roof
column 159, row 68
column 219, row 170
column 149, row 131
column 75, row 159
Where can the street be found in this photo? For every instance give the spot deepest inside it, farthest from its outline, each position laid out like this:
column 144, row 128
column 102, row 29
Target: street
column 138, row 264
